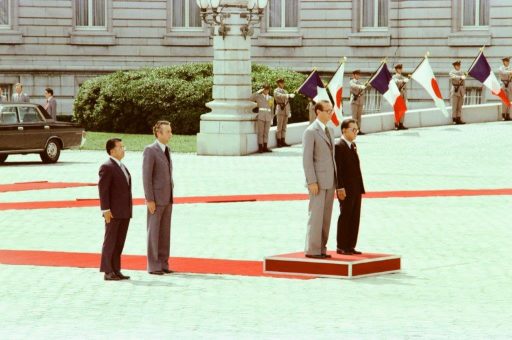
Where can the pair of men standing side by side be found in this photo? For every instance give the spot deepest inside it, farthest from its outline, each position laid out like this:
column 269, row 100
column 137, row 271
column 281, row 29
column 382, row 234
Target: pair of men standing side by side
column 116, row 203
column 329, row 169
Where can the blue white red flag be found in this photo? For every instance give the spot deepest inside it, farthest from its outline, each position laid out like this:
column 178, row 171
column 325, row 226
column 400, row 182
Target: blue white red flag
column 481, row 71
column 383, row 82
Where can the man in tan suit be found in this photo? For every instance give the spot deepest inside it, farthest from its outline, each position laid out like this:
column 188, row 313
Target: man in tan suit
column 265, row 104
column 457, row 91
column 158, row 192
column 357, row 97
column 20, row 96
column 283, row 111
column 320, row 170
column 506, row 84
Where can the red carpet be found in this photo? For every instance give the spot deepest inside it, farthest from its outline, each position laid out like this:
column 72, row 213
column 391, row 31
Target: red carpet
column 42, row 185
column 80, row 203
column 138, row 262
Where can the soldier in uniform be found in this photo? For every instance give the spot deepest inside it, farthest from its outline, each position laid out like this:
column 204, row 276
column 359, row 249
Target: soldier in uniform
column 264, row 103
column 457, row 91
column 311, row 110
column 506, row 83
column 357, row 97
column 401, row 83
column 283, row 111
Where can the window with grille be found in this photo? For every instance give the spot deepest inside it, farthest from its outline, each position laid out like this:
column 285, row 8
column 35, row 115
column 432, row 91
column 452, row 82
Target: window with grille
column 473, row 96
column 372, row 101
column 5, row 14
column 6, row 91
column 185, row 14
column 475, row 13
column 283, row 14
column 91, row 13
column 374, row 14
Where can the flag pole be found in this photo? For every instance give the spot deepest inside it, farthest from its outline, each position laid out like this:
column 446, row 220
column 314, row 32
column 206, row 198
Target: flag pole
column 481, row 49
column 305, row 81
column 421, row 62
column 342, row 61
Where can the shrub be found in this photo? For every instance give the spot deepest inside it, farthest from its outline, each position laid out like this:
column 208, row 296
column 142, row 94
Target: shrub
column 131, row 101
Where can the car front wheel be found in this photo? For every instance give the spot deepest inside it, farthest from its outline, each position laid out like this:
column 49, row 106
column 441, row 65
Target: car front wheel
column 52, row 152
column 3, row 157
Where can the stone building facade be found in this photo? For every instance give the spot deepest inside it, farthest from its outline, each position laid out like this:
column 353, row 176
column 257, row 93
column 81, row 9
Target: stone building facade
column 61, row 43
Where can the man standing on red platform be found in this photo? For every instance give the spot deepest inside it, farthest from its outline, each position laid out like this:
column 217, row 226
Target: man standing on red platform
column 349, row 188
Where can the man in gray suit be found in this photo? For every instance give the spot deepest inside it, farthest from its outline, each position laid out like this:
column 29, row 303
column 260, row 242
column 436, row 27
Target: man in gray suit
column 51, row 103
column 320, row 170
column 3, row 98
column 158, row 191
column 20, row 96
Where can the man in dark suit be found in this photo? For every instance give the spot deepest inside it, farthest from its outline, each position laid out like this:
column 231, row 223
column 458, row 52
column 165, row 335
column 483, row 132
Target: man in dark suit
column 349, row 188
column 158, row 191
column 115, row 187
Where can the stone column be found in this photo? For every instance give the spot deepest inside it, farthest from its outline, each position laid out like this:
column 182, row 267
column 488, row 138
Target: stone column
column 230, row 128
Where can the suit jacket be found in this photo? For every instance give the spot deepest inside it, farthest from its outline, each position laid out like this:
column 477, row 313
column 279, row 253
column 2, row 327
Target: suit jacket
column 3, row 99
column 458, row 88
column 51, row 107
column 20, row 98
column 115, row 190
column 349, row 174
column 281, row 99
column 157, row 175
column 318, row 156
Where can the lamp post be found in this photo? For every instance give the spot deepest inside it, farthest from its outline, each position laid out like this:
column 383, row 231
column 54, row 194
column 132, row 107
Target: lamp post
column 230, row 128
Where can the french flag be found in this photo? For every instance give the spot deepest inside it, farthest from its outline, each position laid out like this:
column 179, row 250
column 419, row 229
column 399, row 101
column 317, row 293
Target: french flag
column 383, row 82
column 313, row 87
column 481, row 71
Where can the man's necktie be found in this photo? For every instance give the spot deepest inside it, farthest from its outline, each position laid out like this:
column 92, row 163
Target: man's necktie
column 328, row 134
column 125, row 172
column 167, row 154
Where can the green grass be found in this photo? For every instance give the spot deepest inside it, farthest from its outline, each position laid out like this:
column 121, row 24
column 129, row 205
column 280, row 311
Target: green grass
column 134, row 142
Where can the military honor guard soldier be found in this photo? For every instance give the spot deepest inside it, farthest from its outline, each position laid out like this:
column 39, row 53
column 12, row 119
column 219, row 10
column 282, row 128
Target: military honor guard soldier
column 264, row 103
column 357, row 97
column 401, row 83
column 283, row 111
column 506, row 83
column 457, row 91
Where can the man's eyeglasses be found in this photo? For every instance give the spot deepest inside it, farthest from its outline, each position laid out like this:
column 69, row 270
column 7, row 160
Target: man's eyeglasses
column 354, row 130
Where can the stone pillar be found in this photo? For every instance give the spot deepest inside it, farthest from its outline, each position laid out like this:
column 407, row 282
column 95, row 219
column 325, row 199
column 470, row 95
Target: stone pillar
column 230, row 128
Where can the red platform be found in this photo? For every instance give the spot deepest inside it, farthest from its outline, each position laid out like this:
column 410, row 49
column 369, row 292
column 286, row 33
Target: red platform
column 341, row 266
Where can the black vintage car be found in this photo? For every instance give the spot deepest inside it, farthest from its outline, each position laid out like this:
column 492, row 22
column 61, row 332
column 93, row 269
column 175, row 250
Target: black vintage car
column 28, row 128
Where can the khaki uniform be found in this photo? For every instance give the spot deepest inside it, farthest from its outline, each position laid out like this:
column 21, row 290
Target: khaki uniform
column 457, row 92
column 356, row 99
column 401, row 83
column 506, row 84
column 265, row 104
column 311, row 112
column 283, row 111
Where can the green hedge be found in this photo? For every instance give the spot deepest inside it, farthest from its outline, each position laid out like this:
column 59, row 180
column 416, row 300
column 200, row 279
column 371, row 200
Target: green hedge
column 131, row 101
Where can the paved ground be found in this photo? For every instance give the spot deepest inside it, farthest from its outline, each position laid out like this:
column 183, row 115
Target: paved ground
column 455, row 250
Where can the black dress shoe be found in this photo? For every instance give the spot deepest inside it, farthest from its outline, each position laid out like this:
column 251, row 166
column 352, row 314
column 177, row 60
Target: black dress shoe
column 167, row 271
column 356, row 252
column 157, row 273
column 344, row 252
column 122, row 277
column 326, row 256
column 111, row 277
column 315, row 256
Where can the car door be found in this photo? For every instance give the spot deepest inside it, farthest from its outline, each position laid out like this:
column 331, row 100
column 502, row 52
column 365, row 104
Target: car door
column 35, row 129
column 10, row 129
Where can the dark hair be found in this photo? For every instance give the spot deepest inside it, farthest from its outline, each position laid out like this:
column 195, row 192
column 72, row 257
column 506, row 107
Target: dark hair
column 158, row 124
column 111, row 143
column 346, row 123
column 320, row 105
column 49, row 90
